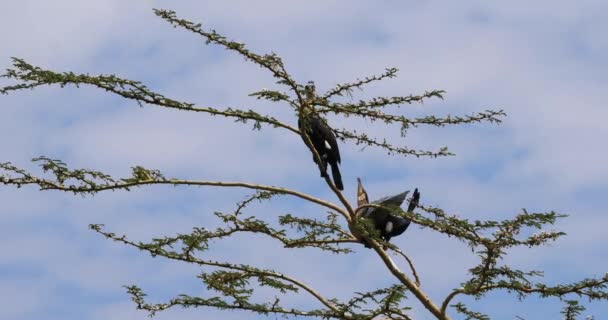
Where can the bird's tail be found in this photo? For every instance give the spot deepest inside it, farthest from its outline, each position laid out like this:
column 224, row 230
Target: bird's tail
column 414, row 201
column 335, row 172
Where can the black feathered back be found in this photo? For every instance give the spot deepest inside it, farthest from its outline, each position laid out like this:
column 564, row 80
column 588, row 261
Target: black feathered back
column 321, row 136
column 388, row 224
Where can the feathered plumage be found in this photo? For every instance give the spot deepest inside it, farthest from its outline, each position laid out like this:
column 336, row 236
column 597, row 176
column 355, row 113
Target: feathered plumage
column 323, row 140
column 387, row 224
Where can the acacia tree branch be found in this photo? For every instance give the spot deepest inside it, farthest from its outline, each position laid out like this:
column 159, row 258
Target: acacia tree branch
column 298, row 243
column 582, row 288
column 190, row 302
column 488, row 261
column 190, row 259
column 409, row 262
column 347, row 88
column 364, row 139
column 316, row 234
column 141, row 177
column 270, row 62
column 411, row 286
column 503, row 238
column 588, row 288
column 32, row 76
column 446, row 301
column 379, row 102
column 357, row 228
column 373, row 115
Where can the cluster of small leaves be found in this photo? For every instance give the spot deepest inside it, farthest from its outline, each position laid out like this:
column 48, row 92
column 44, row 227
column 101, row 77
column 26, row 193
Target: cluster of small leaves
column 373, row 104
column 197, row 240
column 231, row 281
column 235, row 284
column 385, row 301
column 260, row 196
column 487, row 273
column 271, row 62
column 489, row 276
column 273, row 95
column 361, row 138
column 326, row 234
column 362, row 110
column 186, row 301
column 572, row 310
column 62, row 175
column 370, row 111
column 251, row 224
column 519, row 282
column 503, row 232
column 347, row 88
column 78, row 181
column 140, row 177
column 141, row 174
column 470, row 315
column 494, row 237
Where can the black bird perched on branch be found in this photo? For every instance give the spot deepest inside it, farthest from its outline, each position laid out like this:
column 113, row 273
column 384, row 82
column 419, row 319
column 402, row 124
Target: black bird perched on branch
column 322, row 138
column 387, row 224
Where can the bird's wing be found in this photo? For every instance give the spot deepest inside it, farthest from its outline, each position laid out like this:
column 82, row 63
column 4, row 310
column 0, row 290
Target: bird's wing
column 395, row 200
column 325, row 132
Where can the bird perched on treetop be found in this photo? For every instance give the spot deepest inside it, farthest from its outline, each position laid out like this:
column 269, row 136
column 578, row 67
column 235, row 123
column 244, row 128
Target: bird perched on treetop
column 321, row 136
column 387, row 224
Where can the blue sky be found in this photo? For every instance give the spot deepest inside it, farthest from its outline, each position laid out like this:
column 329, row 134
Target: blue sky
column 542, row 62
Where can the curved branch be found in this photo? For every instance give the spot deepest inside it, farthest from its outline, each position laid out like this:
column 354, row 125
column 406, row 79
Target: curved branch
column 394, row 269
column 294, row 244
column 346, row 110
column 191, row 259
column 409, row 261
column 582, row 288
column 422, row 297
column 347, row 88
column 53, row 185
column 444, row 305
column 362, row 138
column 33, row 76
column 270, row 62
column 560, row 290
column 215, row 184
column 380, row 102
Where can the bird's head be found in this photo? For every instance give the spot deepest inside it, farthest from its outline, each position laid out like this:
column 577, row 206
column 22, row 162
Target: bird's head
column 310, row 89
